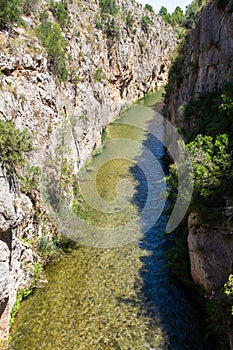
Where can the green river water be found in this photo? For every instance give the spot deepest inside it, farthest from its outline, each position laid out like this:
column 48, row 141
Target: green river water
column 115, row 294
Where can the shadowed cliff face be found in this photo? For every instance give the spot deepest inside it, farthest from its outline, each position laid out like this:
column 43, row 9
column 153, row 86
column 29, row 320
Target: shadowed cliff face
column 204, row 66
column 111, row 60
column 211, row 252
column 16, row 256
column 207, row 60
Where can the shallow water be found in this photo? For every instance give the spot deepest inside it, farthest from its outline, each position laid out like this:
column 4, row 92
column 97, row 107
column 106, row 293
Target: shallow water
column 115, row 293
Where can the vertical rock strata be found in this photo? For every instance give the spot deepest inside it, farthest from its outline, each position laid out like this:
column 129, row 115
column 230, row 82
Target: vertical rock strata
column 17, row 228
column 207, row 61
column 211, row 252
column 205, row 65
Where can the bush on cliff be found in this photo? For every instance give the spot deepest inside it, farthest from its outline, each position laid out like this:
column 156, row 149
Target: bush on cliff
column 111, row 28
column 55, row 45
column 108, row 6
column 211, row 113
column 146, row 23
column 60, row 12
column 149, row 8
column 10, row 12
column 14, row 144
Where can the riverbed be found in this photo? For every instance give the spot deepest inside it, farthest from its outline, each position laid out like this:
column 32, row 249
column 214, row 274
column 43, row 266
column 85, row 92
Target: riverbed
column 112, row 290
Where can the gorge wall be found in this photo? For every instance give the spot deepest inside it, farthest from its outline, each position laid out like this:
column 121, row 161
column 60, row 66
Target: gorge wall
column 202, row 68
column 206, row 62
column 107, row 68
column 204, row 65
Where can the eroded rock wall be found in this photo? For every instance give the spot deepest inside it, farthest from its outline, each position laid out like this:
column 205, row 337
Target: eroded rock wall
column 207, row 60
column 17, row 228
column 211, row 252
column 204, row 65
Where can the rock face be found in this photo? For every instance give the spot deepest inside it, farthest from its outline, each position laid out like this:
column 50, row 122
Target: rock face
column 205, row 64
column 17, row 223
column 207, row 61
column 211, row 252
column 106, row 73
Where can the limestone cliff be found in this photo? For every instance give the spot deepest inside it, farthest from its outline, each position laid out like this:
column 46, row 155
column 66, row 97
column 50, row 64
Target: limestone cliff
column 17, row 221
column 109, row 61
column 206, row 61
column 211, row 251
column 204, row 65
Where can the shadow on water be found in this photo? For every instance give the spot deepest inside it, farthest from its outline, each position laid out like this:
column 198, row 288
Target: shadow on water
column 115, row 298
column 165, row 303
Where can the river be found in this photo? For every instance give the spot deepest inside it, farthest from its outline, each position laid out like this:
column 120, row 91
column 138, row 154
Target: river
column 116, row 293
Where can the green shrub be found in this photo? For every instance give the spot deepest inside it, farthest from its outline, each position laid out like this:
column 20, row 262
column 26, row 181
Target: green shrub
column 47, row 245
column 228, row 290
column 99, row 75
column 130, row 20
column 178, row 258
column 44, row 16
column 163, row 12
column 178, row 19
column 14, row 144
column 60, row 12
column 30, row 179
column 211, row 160
column 190, row 13
column 111, row 29
column 51, row 37
column 10, row 13
column 149, row 8
column 98, row 24
column 212, row 113
column 217, row 322
column 108, row 6
column 228, row 287
column 105, row 135
column 146, row 23
column 210, row 143
column 176, row 74
column 142, row 43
